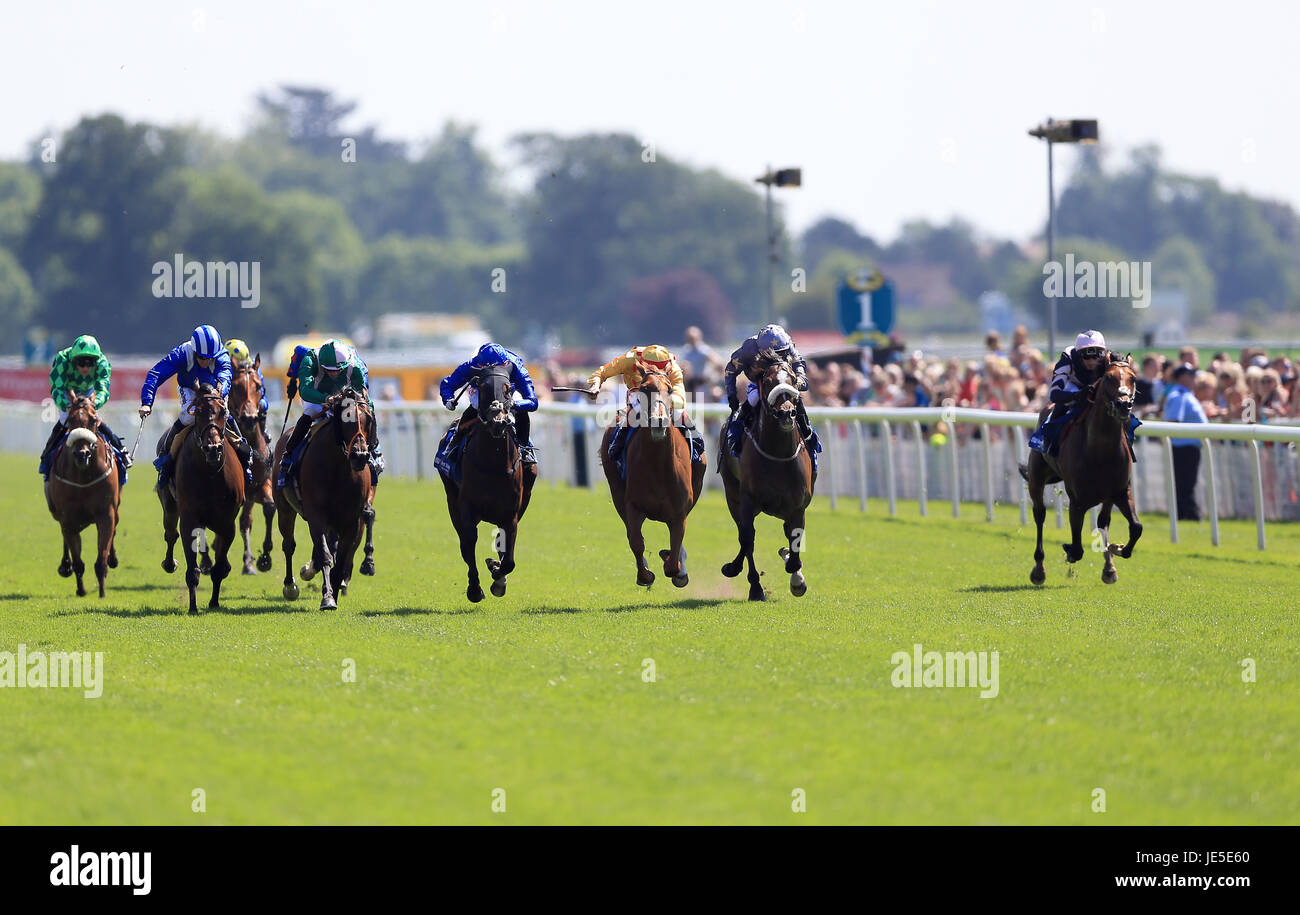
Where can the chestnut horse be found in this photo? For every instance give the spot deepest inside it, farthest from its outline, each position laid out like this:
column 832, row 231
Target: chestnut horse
column 336, row 493
column 245, row 403
column 83, row 490
column 495, row 485
column 662, row 483
column 1095, row 462
column 209, row 490
column 773, row 475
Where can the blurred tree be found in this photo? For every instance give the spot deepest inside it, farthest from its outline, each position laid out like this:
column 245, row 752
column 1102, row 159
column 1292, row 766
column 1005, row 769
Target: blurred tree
column 1074, row 313
column 20, row 192
column 1178, row 264
column 830, row 234
column 660, row 307
column 17, row 302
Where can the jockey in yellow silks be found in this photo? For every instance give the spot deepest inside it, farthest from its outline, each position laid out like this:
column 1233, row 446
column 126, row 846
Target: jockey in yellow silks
column 633, row 366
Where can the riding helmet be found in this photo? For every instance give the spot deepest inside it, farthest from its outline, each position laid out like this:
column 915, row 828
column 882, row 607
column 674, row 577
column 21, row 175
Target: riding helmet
column 335, row 354
column 207, row 342
column 774, row 337
column 85, row 345
column 239, row 353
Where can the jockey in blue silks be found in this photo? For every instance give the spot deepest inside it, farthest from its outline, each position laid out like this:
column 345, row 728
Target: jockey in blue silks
column 524, row 401
column 1079, row 367
column 202, row 359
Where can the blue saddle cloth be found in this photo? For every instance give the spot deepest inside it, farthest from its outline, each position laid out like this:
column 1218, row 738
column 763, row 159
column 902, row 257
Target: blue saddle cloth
column 623, row 434
column 1047, row 437
column 736, row 440
column 447, row 460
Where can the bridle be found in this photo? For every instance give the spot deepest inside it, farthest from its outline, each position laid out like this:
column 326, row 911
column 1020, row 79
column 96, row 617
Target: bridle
column 91, row 425
column 487, row 410
column 216, row 405
column 1117, row 408
column 769, row 401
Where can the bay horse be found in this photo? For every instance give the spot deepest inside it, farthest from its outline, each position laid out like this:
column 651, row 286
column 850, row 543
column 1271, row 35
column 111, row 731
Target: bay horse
column 662, row 482
column 83, row 490
column 773, row 475
column 336, row 492
column 208, row 493
column 495, row 485
column 245, row 403
column 1095, row 462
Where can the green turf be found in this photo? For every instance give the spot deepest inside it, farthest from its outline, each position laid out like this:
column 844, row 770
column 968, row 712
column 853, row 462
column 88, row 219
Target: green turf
column 1134, row 688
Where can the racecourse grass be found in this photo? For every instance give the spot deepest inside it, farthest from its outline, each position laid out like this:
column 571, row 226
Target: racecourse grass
column 1135, row 688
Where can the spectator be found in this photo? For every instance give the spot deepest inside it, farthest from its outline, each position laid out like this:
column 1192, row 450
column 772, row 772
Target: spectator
column 1207, row 393
column 993, row 343
column 1181, row 406
column 1150, row 387
column 1188, row 355
column 701, row 362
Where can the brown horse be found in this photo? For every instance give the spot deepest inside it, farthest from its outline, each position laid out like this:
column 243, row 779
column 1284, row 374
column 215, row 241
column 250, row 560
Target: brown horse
column 495, row 485
column 245, row 401
column 83, row 490
column 773, row 475
column 208, row 492
column 336, row 493
column 662, row 483
column 1095, row 462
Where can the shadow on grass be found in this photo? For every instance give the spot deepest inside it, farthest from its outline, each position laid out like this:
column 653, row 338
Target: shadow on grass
column 1261, row 561
column 150, row 587
column 414, row 611
column 15, row 597
column 1002, row 589
column 181, row 608
column 685, row 604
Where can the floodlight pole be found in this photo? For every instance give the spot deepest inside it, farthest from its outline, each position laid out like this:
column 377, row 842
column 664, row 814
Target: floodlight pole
column 771, row 253
column 1051, row 220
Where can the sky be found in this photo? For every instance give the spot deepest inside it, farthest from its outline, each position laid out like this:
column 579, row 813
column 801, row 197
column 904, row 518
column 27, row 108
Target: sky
column 895, row 111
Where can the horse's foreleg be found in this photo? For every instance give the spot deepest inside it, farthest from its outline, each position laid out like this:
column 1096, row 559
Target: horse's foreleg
column 323, row 559
column 1129, row 511
column 287, row 520
column 171, row 523
column 794, row 532
column 246, row 530
column 1108, row 573
column 368, row 564
column 104, row 526
column 264, row 560
column 224, row 540
column 112, row 537
column 636, row 543
column 65, row 565
column 675, row 556
column 746, row 535
column 1038, row 575
column 191, row 563
column 500, row 568
column 467, row 529
column 1074, row 549
column 73, row 539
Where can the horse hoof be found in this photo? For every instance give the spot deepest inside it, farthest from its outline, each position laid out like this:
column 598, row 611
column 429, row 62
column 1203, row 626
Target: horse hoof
column 264, row 562
column 757, row 594
column 194, row 611
column 112, row 560
column 731, row 569
column 1110, row 577
column 1071, row 555
column 65, row 570
column 307, row 572
column 205, row 566
column 1038, row 576
column 328, row 603
column 343, row 589
column 290, row 591
column 169, row 565
column 367, row 566
column 248, row 569
column 681, row 581
column 784, row 553
column 645, row 579
column 474, row 593
column 81, row 592
column 493, row 567
column 798, row 586
column 499, row 587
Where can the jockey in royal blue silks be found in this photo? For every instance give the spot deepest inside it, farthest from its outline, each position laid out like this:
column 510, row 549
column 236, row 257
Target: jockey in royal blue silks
column 751, row 359
column 1076, row 371
column 524, row 401
column 202, row 359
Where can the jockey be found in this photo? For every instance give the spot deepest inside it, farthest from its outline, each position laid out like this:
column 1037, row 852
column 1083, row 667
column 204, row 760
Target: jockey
column 240, row 357
column 632, row 365
column 83, row 368
column 750, row 360
column 319, row 374
column 199, row 360
column 1076, row 370
column 523, row 397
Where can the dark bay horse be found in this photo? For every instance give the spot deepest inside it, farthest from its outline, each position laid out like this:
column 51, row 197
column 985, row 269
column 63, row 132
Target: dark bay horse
column 773, row 475
column 209, row 491
column 662, row 483
column 83, row 490
column 245, row 401
column 495, row 485
column 1095, row 462
column 334, row 481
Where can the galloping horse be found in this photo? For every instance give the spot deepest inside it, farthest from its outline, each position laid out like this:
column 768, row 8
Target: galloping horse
column 336, row 489
column 495, row 485
column 662, row 483
column 209, row 490
column 245, row 397
column 1096, row 465
column 83, row 490
column 773, row 475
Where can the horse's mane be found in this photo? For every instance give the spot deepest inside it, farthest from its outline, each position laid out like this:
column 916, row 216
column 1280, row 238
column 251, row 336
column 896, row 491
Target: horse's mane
column 334, row 401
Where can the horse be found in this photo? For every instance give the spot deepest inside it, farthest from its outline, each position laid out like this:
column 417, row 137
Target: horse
column 83, row 490
column 1096, row 465
column 209, row 491
column 245, row 399
column 336, row 494
column 662, row 483
column 495, row 485
column 773, row 475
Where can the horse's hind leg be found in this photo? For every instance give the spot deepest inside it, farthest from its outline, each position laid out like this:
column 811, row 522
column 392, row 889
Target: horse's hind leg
column 368, row 564
column 171, row 523
column 104, row 528
column 264, row 560
column 794, row 532
column 675, row 556
column 732, row 569
column 65, row 565
column 1129, row 511
column 636, row 543
column 246, row 530
column 287, row 519
column 73, row 539
column 112, row 538
column 1108, row 573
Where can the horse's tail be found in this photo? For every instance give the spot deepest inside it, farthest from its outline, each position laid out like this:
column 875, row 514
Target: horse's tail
column 1024, row 471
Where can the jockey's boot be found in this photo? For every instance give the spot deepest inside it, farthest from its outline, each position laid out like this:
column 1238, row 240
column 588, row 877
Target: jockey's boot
column 523, row 434
column 377, row 463
column 163, row 463
column 116, row 443
column 694, row 437
column 300, row 430
column 48, row 451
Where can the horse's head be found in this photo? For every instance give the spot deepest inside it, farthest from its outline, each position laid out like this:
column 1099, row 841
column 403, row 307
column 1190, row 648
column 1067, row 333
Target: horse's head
column 246, row 396
column 495, row 397
column 776, row 388
column 81, row 413
column 1117, row 388
column 355, row 422
column 209, row 433
column 652, row 404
